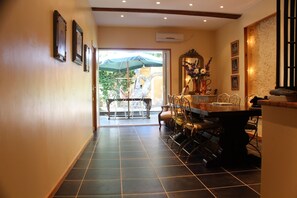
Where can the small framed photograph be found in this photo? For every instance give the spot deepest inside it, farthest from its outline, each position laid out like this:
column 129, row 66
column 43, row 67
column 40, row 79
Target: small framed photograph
column 234, row 64
column 235, row 82
column 86, row 58
column 235, row 48
column 77, row 43
column 60, row 27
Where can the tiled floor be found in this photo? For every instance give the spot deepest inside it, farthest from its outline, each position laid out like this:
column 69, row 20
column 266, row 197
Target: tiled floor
column 135, row 161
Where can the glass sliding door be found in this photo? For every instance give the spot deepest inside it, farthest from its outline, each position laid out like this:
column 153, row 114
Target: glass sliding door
column 130, row 81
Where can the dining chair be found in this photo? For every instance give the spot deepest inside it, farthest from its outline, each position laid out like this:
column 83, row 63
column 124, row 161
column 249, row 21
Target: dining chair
column 177, row 135
column 195, row 129
column 235, row 99
column 166, row 112
column 223, row 97
column 252, row 128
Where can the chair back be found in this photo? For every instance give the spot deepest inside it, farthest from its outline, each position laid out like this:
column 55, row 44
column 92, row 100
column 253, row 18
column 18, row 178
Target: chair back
column 177, row 109
column 235, row 99
column 224, row 97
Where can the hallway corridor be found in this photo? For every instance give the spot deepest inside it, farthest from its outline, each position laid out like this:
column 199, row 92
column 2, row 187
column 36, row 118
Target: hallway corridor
column 133, row 161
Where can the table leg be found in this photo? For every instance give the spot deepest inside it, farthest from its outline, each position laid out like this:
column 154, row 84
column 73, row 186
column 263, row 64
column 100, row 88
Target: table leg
column 233, row 140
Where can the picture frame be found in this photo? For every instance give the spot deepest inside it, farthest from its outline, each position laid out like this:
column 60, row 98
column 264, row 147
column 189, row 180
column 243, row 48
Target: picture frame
column 77, row 43
column 234, row 82
column 235, row 65
column 59, row 34
column 235, row 48
column 86, row 58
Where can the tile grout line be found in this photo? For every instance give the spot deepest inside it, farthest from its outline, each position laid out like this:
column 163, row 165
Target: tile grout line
column 242, row 182
column 151, row 163
column 189, row 169
column 87, row 168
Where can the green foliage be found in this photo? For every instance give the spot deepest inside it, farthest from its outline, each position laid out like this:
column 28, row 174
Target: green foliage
column 113, row 81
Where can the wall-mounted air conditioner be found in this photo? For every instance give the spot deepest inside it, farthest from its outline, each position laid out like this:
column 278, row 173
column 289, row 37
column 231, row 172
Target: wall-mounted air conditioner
column 169, row 37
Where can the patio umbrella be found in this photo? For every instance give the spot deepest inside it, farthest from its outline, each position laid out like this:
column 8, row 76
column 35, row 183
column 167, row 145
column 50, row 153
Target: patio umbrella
column 130, row 61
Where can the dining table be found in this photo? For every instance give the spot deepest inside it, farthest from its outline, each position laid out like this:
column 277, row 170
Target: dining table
column 232, row 139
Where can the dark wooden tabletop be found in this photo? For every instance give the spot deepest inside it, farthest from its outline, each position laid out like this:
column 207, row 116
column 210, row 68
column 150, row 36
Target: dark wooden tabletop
column 209, row 109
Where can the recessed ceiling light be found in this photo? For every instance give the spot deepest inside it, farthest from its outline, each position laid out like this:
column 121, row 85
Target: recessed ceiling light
column 124, row 1
column 204, row 20
column 165, row 18
column 221, row 6
column 191, row 4
column 158, row 2
column 122, row 16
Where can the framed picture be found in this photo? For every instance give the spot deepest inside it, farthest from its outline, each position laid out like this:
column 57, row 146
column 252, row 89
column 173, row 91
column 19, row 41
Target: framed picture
column 60, row 27
column 86, row 58
column 235, row 82
column 235, row 48
column 234, row 64
column 77, row 43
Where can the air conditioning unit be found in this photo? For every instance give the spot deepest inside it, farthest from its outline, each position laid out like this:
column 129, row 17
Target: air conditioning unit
column 169, row 37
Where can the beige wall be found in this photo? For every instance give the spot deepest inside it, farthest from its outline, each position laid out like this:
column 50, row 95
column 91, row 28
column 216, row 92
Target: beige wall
column 45, row 113
column 235, row 31
column 279, row 161
column 201, row 41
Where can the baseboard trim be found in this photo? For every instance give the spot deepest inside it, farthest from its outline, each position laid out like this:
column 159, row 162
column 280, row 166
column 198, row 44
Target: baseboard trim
column 63, row 177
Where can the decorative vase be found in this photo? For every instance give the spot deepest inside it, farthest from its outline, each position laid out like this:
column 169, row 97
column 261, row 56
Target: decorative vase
column 200, row 85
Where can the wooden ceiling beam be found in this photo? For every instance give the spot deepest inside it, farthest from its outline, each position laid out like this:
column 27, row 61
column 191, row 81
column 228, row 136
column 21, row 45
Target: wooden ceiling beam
column 176, row 12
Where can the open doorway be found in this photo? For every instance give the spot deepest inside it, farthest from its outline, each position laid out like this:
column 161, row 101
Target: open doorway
column 132, row 86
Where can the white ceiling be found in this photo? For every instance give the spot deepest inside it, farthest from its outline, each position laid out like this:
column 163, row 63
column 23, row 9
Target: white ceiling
column 109, row 18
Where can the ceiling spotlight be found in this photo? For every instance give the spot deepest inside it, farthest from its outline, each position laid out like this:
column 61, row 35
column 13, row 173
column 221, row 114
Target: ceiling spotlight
column 124, row 1
column 122, row 16
column 204, row 20
column 158, row 2
column 165, row 18
column 191, row 4
column 221, row 6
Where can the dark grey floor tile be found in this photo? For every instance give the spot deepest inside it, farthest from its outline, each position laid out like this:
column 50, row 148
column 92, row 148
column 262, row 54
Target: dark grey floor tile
column 103, row 173
column 76, row 174
column 157, row 162
column 181, row 183
column 81, row 164
column 170, row 171
column 102, row 187
column 107, row 155
column 133, row 154
column 148, row 195
column 161, row 153
column 101, row 196
column 249, row 177
column 191, row 194
column 132, row 148
column 256, row 187
column 69, row 188
column 131, row 186
column 219, row 180
column 201, row 169
column 138, row 173
column 130, row 163
column 85, row 155
column 235, row 192
column 105, row 164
